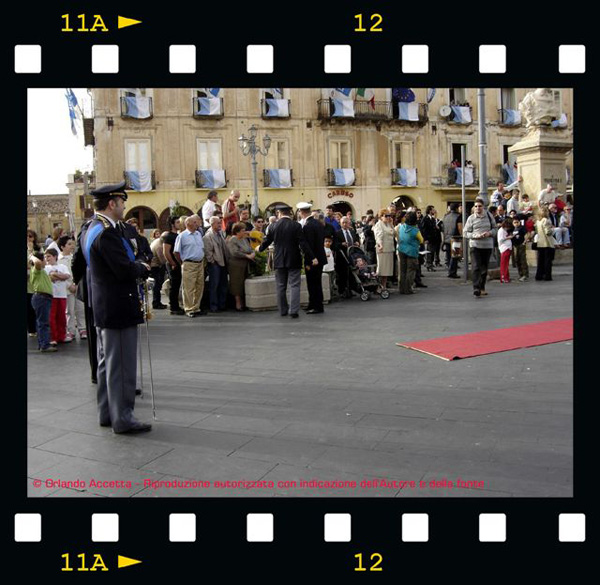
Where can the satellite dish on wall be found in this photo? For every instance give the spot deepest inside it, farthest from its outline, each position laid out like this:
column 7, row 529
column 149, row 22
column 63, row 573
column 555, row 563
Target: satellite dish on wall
column 445, row 111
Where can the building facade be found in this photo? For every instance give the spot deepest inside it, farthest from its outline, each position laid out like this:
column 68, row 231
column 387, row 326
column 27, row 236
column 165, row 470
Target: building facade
column 358, row 148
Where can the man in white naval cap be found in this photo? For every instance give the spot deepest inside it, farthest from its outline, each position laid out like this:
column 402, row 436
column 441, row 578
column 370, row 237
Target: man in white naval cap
column 314, row 234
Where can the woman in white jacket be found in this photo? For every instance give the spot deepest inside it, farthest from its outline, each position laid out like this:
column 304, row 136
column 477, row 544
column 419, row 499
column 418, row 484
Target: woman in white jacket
column 545, row 245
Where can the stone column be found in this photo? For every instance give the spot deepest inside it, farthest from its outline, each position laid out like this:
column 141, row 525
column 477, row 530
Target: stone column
column 541, row 159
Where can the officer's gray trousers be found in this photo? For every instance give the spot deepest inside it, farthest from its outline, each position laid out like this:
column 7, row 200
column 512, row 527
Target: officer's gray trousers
column 283, row 276
column 117, row 359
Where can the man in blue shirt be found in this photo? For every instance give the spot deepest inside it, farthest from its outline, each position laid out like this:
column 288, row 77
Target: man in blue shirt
column 330, row 219
column 189, row 250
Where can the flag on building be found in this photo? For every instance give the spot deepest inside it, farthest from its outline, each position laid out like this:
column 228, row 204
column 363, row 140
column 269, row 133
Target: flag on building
column 74, row 109
column 345, row 90
column 364, row 92
column 430, row 94
column 403, row 94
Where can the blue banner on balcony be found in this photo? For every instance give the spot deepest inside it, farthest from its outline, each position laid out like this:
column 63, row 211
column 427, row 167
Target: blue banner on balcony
column 407, row 177
column 208, row 107
column 430, row 94
column 512, row 117
column 343, row 177
column 140, row 180
column 137, row 107
column 345, row 90
column 276, row 108
column 280, row 178
column 342, row 108
column 469, row 180
column 408, row 111
column 213, row 179
column 462, row 114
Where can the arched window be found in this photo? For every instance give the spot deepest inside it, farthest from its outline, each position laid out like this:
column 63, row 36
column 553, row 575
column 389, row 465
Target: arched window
column 146, row 218
column 402, row 202
column 163, row 220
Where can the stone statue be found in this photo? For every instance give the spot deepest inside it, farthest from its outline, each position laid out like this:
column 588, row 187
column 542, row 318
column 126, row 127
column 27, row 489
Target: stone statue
column 538, row 107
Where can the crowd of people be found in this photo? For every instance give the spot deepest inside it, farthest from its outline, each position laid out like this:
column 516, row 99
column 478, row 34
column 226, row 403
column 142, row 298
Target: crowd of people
column 202, row 261
column 93, row 286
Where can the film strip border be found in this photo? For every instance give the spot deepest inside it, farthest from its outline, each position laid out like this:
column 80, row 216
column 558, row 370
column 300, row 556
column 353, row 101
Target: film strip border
column 260, row 528
column 260, row 59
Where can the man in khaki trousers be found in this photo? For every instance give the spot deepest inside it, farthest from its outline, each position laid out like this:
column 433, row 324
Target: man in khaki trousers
column 189, row 250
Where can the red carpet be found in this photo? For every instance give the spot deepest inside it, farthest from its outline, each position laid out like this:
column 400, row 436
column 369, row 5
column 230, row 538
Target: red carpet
column 484, row 342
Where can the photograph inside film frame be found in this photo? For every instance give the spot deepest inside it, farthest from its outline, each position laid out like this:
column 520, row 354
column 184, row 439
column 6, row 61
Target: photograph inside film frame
column 300, row 292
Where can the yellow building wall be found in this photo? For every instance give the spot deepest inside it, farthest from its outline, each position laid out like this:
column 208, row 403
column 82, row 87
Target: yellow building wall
column 173, row 132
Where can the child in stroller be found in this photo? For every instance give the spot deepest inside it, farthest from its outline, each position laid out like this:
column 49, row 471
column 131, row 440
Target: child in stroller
column 364, row 275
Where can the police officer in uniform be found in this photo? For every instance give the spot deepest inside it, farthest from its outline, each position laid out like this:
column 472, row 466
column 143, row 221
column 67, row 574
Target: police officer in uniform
column 289, row 240
column 79, row 269
column 314, row 234
column 113, row 294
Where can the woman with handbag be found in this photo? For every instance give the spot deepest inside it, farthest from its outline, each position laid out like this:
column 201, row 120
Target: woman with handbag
column 545, row 245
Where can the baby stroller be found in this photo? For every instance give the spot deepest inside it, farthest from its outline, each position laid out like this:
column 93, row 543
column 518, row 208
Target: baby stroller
column 364, row 275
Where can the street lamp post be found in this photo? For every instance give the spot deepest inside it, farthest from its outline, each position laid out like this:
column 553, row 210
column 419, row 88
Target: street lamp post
column 250, row 147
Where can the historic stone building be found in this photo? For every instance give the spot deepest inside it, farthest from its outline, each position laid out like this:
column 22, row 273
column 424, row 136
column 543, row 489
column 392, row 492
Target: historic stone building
column 358, row 148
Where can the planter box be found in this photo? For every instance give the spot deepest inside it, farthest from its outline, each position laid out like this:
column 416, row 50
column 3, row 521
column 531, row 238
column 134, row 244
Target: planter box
column 261, row 292
column 561, row 256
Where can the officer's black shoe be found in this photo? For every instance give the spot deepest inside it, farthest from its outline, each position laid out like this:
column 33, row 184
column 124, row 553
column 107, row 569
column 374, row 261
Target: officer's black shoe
column 294, row 315
column 177, row 312
column 158, row 307
column 138, row 392
column 420, row 285
column 138, row 427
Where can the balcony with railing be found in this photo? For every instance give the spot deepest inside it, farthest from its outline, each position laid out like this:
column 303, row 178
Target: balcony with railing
column 204, row 107
column 404, row 177
column 211, row 179
column 341, row 177
column 137, row 108
column 509, row 118
column 278, row 178
column 410, row 112
column 454, row 177
column 272, row 108
column 139, row 180
column 460, row 115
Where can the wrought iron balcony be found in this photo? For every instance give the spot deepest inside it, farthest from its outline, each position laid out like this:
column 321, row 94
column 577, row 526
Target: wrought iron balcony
column 396, row 178
column 203, row 182
column 331, row 179
column 372, row 110
column 453, row 120
column 128, row 185
column 423, row 114
column 267, row 179
column 133, row 108
column 269, row 112
column 506, row 119
column 452, row 177
column 201, row 113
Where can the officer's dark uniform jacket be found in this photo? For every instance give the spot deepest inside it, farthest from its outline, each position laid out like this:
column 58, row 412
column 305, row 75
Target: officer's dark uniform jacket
column 289, row 238
column 112, row 277
column 314, row 234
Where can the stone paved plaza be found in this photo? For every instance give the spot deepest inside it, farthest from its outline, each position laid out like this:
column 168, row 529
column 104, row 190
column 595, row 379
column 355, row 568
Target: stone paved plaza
column 258, row 398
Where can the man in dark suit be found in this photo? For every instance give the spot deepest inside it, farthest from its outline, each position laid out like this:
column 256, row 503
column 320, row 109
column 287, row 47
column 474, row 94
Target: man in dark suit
column 314, row 234
column 79, row 269
column 344, row 238
column 112, row 288
column 289, row 240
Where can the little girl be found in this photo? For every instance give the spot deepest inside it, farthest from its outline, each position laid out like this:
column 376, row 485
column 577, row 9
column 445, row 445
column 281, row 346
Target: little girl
column 505, row 246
